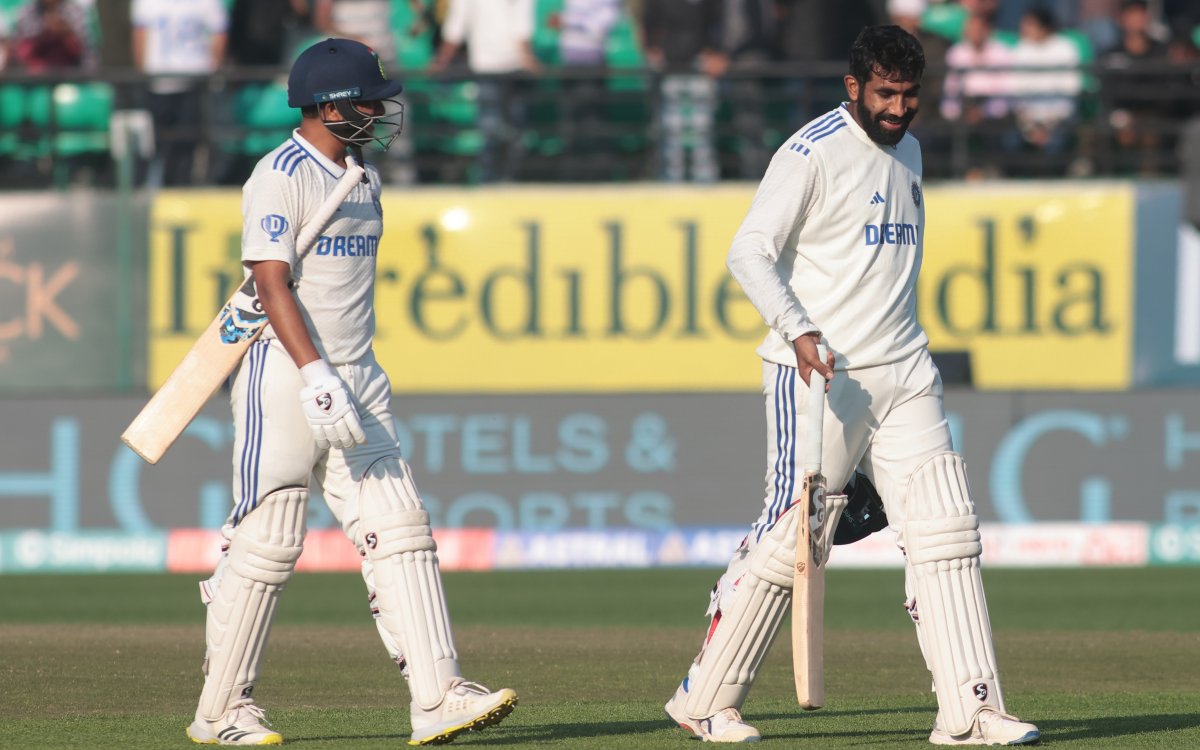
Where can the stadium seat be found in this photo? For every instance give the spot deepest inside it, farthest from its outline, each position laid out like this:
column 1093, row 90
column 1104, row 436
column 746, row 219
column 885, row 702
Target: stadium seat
column 82, row 112
column 262, row 111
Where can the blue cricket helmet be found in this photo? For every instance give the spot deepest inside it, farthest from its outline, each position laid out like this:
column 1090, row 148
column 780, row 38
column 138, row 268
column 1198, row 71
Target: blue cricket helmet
column 338, row 69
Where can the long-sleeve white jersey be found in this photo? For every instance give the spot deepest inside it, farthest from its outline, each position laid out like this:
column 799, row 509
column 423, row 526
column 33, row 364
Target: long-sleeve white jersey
column 832, row 243
column 335, row 278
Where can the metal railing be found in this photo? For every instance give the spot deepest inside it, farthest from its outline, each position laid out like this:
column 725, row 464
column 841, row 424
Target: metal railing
column 586, row 125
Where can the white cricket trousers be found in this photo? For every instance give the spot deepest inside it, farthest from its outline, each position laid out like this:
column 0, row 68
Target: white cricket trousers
column 887, row 420
column 273, row 443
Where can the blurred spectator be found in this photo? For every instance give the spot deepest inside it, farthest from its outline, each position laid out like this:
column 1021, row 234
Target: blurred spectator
column 1133, row 72
column 368, row 21
column 52, row 34
column 498, row 37
column 816, row 32
column 748, row 41
column 682, row 41
column 5, row 38
column 977, row 74
column 262, row 32
column 178, row 42
column 1098, row 21
column 583, row 28
column 1046, row 83
column 116, row 43
column 976, row 93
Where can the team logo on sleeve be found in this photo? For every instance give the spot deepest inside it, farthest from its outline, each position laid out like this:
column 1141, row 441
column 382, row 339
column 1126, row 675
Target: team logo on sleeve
column 916, row 194
column 274, row 225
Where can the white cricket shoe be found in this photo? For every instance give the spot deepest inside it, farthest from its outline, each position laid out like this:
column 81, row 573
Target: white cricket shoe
column 245, row 724
column 990, row 728
column 466, row 707
column 723, row 726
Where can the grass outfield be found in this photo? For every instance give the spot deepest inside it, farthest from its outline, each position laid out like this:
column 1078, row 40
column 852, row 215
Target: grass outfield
column 1097, row 658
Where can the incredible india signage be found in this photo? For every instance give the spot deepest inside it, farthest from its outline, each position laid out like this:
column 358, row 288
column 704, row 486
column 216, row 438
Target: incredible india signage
column 624, row 289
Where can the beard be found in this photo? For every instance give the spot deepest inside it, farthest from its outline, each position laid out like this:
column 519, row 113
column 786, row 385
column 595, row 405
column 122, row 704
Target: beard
column 871, row 124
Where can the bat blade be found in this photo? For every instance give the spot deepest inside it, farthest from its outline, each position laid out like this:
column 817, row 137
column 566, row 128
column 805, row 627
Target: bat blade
column 808, row 582
column 203, row 369
column 808, row 598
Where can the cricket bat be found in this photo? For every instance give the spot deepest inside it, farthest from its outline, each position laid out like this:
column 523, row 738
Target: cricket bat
column 819, row 514
column 219, row 349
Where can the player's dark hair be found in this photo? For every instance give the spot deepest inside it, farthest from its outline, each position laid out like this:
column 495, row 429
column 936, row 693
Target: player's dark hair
column 886, row 50
column 311, row 110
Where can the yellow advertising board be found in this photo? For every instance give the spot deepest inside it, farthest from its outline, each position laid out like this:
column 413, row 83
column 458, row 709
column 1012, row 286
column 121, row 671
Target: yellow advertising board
column 509, row 290
column 624, row 288
column 1034, row 280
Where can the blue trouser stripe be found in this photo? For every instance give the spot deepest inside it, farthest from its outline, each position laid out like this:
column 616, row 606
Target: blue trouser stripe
column 252, row 447
column 785, row 445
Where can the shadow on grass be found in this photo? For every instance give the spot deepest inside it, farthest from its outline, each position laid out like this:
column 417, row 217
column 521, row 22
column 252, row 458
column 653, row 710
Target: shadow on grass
column 1116, row 726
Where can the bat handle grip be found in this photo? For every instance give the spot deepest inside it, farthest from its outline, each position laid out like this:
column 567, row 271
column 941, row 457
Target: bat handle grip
column 815, row 416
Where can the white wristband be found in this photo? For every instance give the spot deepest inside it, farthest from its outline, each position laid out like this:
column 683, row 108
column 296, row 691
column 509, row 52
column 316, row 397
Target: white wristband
column 316, row 371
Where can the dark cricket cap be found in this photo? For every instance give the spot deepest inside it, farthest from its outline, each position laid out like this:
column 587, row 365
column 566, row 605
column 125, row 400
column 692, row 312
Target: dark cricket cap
column 338, row 69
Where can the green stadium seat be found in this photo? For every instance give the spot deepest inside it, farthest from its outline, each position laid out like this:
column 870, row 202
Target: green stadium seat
column 25, row 121
column 82, row 112
column 262, row 111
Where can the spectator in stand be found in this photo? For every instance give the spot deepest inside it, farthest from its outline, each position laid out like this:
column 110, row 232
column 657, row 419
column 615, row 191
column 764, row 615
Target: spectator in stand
column 583, row 29
column 5, row 38
column 749, row 40
column 683, row 43
column 976, row 93
column 1134, row 70
column 498, row 35
column 260, row 31
column 366, row 21
column 52, row 34
column 180, row 43
column 1046, row 83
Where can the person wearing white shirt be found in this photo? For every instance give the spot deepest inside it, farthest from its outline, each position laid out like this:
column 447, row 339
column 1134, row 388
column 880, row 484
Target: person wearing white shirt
column 829, row 254
column 178, row 42
column 1046, row 84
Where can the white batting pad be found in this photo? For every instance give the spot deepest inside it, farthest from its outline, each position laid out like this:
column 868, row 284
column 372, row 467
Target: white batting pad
column 262, row 555
column 941, row 537
column 746, row 619
column 408, row 585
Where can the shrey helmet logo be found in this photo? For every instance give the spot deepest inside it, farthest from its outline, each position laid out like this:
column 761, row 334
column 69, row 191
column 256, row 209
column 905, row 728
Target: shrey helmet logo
column 274, row 225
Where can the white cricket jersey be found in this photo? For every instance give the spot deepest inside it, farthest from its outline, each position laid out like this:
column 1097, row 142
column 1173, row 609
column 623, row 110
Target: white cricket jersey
column 832, row 242
column 335, row 278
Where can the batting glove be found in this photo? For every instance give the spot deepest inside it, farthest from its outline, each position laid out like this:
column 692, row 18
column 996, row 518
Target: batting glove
column 327, row 406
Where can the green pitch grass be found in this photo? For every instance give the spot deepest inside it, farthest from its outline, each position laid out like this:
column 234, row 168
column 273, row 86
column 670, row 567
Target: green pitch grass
column 1098, row 658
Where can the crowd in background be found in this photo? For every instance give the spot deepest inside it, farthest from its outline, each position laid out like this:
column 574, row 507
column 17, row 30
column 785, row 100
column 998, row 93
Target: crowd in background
column 1007, row 78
